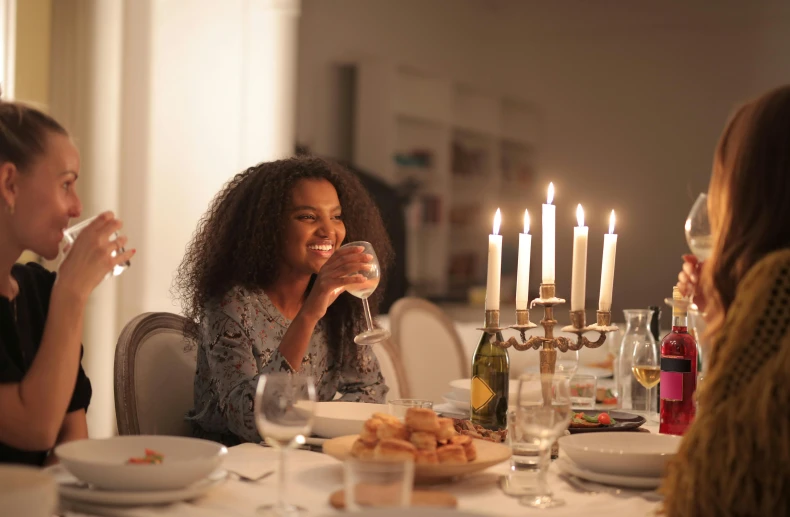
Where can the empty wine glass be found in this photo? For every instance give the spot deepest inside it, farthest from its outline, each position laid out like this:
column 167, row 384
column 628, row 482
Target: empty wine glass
column 698, row 232
column 543, row 412
column 284, row 409
column 646, row 368
column 372, row 274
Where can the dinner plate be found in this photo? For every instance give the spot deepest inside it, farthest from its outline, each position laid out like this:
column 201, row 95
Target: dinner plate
column 333, row 419
column 621, row 454
column 76, row 491
column 567, row 466
column 462, row 388
column 104, row 462
column 623, row 422
column 600, row 373
column 457, row 400
column 488, row 455
column 415, row 511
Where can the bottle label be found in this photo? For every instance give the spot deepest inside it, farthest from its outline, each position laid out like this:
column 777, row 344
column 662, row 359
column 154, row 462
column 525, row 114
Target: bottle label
column 481, row 393
column 672, row 370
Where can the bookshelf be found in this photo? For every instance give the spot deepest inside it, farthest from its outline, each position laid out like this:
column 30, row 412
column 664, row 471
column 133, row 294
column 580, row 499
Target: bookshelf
column 466, row 150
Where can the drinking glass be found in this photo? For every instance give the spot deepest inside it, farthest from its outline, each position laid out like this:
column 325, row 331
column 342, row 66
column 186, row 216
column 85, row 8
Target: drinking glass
column 284, row 410
column 70, row 235
column 377, row 484
column 646, row 368
column 698, row 233
column 543, row 412
column 398, row 407
column 583, row 390
column 524, row 461
column 372, row 273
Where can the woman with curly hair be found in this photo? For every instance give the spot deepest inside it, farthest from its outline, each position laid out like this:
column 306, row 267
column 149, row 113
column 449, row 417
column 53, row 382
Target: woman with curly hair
column 264, row 279
column 735, row 457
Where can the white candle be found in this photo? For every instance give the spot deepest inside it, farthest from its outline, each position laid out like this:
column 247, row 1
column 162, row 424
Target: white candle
column 522, row 275
column 494, row 265
column 549, row 224
column 579, row 269
column 607, row 268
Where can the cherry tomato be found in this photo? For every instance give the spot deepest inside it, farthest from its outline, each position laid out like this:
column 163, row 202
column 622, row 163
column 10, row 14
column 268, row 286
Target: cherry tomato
column 604, row 419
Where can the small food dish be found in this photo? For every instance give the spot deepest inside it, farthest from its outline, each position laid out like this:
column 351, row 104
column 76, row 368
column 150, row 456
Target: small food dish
column 621, row 454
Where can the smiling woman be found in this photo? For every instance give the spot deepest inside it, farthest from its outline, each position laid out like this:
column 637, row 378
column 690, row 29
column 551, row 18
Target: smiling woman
column 266, row 281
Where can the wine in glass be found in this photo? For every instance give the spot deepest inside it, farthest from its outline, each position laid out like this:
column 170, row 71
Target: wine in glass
column 372, row 273
column 647, row 370
column 284, row 409
column 543, row 412
column 698, row 233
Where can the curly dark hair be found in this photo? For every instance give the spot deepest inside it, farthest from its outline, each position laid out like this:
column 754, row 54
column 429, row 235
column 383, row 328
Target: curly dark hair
column 238, row 240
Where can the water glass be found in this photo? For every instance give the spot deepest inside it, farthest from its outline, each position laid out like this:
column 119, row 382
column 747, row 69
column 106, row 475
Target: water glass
column 583, row 390
column 70, row 235
column 398, row 407
column 377, row 484
column 524, row 461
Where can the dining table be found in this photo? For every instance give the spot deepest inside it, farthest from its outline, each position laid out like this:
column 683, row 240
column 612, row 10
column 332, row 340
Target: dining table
column 311, row 477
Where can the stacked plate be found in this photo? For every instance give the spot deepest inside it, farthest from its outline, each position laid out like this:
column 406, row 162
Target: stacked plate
column 634, row 460
column 138, row 470
column 333, row 419
column 457, row 399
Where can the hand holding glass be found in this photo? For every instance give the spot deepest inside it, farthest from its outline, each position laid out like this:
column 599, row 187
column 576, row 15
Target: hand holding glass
column 284, row 411
column 70, row 235
column 372, row 273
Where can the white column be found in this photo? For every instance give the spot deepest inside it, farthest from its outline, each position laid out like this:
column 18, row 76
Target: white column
column 86, row 87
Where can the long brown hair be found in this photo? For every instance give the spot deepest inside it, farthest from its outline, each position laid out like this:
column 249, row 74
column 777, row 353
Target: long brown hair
column 238, row 240
column 749, row 197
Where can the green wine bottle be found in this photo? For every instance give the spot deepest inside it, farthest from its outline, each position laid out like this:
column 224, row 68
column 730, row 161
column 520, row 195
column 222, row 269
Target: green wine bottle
column 490, row 383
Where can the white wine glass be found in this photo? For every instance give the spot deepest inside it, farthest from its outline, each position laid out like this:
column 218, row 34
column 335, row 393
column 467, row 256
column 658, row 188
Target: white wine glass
column 647, row 370
column 372, row 273
column 284, row 412
column 543, row 412
column 698, row 232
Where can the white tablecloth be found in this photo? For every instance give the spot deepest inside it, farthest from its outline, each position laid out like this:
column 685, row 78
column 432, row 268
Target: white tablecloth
column 312, row 477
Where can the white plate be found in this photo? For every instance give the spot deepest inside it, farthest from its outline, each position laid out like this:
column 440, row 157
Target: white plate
column 103, row 463
column 457, row 401
column 333, row 419
column 415, row 511
column 75, row 491
column 600, row 373
column 27, row 491
column 566, row 466
column 463, row 388
column 621, row 454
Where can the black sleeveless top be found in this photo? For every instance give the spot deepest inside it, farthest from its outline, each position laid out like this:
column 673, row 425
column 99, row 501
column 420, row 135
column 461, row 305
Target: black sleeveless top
column 21, row 330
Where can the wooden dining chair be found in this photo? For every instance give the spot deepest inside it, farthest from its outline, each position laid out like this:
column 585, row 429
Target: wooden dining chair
column 154, row 375
column 392, row 370
column 428, row 345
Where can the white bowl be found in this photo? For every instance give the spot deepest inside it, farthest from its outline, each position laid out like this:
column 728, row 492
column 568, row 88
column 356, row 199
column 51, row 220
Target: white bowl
column 103, row 463
column 27, row 491
column 333, row 419
column 621, row 454
column 463, row 388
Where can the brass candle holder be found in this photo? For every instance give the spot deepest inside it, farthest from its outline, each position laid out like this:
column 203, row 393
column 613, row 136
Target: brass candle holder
column 548, row 344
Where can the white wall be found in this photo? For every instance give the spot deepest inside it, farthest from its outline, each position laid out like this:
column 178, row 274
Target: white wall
column 632, row 100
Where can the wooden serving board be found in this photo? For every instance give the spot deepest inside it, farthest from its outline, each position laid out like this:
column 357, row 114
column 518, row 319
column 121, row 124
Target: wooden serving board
column 418, row 498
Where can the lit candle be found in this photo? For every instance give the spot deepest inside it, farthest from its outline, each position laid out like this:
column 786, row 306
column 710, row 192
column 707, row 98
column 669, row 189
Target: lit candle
column 579, row 269
column 522, row 275
column 607, row 268
column 549, row 223
column 494, row 265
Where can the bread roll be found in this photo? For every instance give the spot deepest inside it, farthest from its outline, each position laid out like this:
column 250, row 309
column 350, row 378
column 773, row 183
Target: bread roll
column 391, row 429
column 468, row 444
column 384, row 417
column 451, row 454
column 423, row 441
column 446, row 430
column 422, row 419
column 426, row 458
column 369, row 431
column 362, row 450
column 394, row 449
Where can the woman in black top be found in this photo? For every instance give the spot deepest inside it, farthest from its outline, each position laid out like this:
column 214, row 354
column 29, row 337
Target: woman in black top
column 43, row 391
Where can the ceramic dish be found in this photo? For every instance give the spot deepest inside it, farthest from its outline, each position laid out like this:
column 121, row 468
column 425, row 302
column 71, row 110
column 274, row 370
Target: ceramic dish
column 621, row 454
column 567, row 466
column 333, row 419
column 622, row 422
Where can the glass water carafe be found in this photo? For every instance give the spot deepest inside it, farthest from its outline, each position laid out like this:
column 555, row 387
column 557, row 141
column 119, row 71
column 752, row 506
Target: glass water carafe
column 631, row 394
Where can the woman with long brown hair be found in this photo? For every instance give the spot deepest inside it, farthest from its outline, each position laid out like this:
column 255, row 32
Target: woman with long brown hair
column 735, row 458
column 264, row 279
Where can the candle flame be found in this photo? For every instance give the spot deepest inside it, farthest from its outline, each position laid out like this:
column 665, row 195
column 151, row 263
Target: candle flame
column 550, row 196
column 580, row 215
column 526, row 221
column 497, row 221
column 611, row 223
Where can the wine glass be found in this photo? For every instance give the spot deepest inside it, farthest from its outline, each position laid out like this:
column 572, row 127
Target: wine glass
column 284, row 410
column 372, row 273
column 646, row 368
column 698, row 232
column 543, row 412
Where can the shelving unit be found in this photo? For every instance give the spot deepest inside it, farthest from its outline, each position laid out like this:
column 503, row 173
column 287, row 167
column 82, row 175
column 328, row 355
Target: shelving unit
column 468, row 151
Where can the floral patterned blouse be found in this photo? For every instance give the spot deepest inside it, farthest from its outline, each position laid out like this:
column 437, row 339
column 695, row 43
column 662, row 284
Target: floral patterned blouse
column 241, row 336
